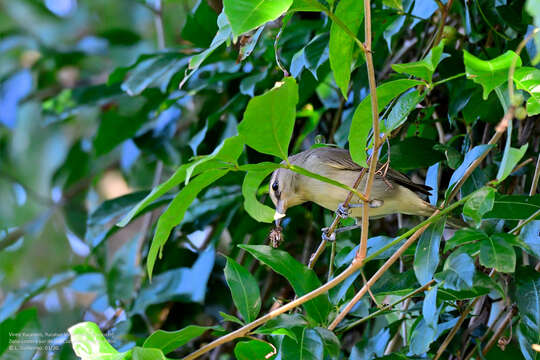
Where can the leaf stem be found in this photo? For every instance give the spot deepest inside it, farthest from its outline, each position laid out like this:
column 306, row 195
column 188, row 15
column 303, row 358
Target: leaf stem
column 385, row 308
column 448, row 79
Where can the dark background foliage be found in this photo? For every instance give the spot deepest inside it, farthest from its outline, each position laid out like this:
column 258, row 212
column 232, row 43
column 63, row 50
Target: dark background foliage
column 102, row 101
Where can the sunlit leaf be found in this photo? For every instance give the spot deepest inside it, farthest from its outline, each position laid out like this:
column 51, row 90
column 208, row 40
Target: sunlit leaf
column 250, row 186
column 489, row 73
column 278, row 109
column 246, row 15
column 254, row 350
column 424, row 68
column 528, row 78
column 168, row 341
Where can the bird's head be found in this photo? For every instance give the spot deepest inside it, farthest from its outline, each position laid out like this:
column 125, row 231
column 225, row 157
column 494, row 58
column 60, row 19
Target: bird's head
column 284, row 191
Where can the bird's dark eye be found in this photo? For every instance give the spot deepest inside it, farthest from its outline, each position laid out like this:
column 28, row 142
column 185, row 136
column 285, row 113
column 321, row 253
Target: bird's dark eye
column 275, row 186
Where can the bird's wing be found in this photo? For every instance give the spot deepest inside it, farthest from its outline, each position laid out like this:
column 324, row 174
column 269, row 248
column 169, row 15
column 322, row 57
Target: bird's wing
column 341, row 159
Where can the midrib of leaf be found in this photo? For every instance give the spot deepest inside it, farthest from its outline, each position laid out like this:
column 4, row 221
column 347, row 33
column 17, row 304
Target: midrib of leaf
column 302, row 344
column 244, row 292
column 251, row 13
column 492, row 244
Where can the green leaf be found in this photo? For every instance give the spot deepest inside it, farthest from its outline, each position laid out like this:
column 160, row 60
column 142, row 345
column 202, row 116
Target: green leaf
column 470, row 157
column 254, row 350
column 283, row 325
column 424, row 68
column 180, row 284
column 246, row 15
column 489, row 73
column 533, row 8
column 341, row 45
column 316, row 53
column 514, row 207
column 154, row 71
column 200, row 26
column 307, row 5
column 330, row 341
column 139, row 353
column 510, row 160
column 26, row 321
column 175, row 212
column 528, row 78
column 244, row 290
column 530, row 234
column 231, row 318
column 123, row 271
column 371, row 347
column 89, row 343
column 422, row 148
column 250, row 186
column 401, row 110
column 227, row 152
column 527, row 297
column 169, row 341
column 361, row 123
column 426, row 257
column 308, row 347
column 479, row 203
column 464, row 237
column 458, row 272
column 302, row 279
column 395, row 4
column 498, row 254
column 278, row 107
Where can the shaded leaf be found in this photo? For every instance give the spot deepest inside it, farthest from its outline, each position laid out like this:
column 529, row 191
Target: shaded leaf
column 426, row 257
column 479, row 203
column 302, row 279
column 458, row 272
column 498, row 254
column 464, row 237
column 253, row 350
column 510, row 160
column 309, row 346
column 527, row 297
column 471, row 156
column 361, row 123
column 244, row 290
column 514, row 207
column 169, row 341
column 175, row 212
column 401, row 110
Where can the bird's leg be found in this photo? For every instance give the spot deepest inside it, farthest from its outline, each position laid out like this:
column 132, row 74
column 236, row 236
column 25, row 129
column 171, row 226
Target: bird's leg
column 343, row 211
column 325, row 237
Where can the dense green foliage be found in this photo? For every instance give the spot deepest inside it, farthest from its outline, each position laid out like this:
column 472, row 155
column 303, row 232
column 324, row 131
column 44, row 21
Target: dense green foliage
column 136, row 142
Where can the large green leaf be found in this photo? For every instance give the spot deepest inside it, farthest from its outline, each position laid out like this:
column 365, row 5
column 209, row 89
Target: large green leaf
column 426, row 257
column 464, row 237
column 302, row 279
column 401, row 110
column 527, row 297
column 351, row 13
column 361, row 123
column 308, row 347
column 458, row 272
column 497, row 253
column 227, row 152
column 470, row 157
column 514, row 207
column 175, row 213
column 424, row 68
column 269, row 119
column 246, row 15
column 528, row 78
column 489, row 73
column 254, row 350
column 200, row 26
column 422, row 148
column 168, row 341
column 244, row 290
column 530, row 234
column 479, row 203
column 250, row 186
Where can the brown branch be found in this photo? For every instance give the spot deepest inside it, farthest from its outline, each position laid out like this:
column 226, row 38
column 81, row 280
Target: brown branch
column 500, row 330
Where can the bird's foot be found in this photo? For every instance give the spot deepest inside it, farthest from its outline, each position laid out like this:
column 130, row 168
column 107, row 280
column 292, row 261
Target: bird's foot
column 326, row 237
column 343, row 211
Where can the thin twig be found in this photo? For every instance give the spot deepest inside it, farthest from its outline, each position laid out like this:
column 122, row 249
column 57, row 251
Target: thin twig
column 500, row 330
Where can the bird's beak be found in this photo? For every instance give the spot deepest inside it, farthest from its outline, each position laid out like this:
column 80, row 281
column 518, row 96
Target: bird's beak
column 280, row 212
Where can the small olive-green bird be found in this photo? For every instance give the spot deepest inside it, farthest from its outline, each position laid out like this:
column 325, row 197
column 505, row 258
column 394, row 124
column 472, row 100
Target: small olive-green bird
column 392, row 193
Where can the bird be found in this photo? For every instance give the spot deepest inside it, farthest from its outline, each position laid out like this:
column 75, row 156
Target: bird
column 392, row 191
